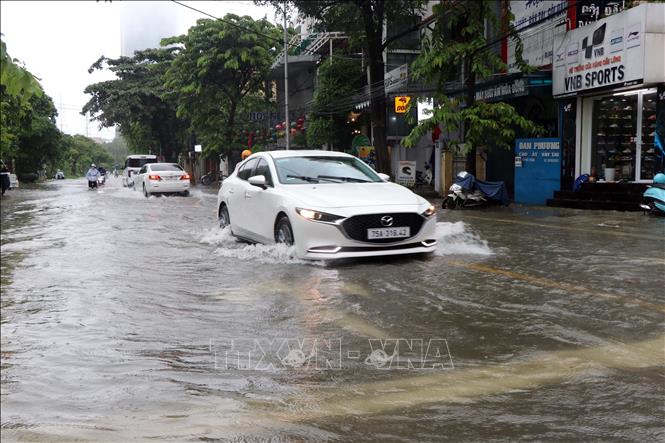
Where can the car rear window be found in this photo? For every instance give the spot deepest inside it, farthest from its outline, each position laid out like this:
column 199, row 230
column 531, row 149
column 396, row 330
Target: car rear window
column 139, row 162
column 172, row 167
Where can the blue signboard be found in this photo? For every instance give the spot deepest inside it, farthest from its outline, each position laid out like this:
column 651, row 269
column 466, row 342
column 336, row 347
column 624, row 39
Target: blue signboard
column 537, row 169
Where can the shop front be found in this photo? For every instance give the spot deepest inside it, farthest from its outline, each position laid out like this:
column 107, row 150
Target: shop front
column 611, row 73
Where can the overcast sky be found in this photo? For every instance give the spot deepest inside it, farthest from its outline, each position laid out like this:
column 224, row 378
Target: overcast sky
column 59, row 40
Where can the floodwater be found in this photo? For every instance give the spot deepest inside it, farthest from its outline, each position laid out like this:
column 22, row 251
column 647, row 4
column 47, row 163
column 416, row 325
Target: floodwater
column 126, row 318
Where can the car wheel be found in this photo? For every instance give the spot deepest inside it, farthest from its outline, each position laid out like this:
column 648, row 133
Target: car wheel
column 145, row 191
column 185, row 193
column 224, row 219
column 283, row 231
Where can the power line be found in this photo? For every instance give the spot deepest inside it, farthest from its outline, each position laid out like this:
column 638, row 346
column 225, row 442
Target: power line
column 243, row 28
column 355, row 99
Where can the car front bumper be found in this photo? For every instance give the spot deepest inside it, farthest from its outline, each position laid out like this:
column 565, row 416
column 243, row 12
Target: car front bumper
column 317, row 241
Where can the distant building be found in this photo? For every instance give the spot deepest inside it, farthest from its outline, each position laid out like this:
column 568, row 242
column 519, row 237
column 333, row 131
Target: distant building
column 144, row 23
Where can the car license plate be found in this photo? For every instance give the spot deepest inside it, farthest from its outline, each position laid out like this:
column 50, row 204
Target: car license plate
column 397, row 232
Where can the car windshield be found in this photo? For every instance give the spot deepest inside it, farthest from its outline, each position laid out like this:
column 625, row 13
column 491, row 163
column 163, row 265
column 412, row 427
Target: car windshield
column 167, row 167
column 139, row 162
column 324, row 169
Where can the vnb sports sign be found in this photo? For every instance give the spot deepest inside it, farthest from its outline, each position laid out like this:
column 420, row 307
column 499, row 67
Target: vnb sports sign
column 607, row 54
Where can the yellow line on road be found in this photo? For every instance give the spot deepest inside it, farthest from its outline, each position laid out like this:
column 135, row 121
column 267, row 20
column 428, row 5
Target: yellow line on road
column 557, row 285
column 464, row 385
column 566, row 228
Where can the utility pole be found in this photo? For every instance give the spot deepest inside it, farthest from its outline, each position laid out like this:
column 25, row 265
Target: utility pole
column 286, row 83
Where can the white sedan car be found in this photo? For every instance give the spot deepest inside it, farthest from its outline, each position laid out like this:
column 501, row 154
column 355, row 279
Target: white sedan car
column 327, row 204
column 155, row 178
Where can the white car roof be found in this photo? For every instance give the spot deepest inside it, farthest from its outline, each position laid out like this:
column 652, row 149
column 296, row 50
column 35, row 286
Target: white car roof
column 142, row 156
column 306, row 153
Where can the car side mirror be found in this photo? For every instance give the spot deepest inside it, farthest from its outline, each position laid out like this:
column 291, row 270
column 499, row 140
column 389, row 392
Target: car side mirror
column 258, row 180
column 384, row 177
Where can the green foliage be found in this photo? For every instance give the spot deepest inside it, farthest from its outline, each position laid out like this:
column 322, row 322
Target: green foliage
column 489, row 124
column 139, row 103
column 29, row 132
column 118, row 150
column 218, row 77
column 459, row 44
column 78, row 153
column 363, row 21
column 337, row 80
column 15, row 80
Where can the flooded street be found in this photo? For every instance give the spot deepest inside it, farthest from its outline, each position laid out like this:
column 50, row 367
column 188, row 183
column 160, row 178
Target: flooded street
column 126, row 318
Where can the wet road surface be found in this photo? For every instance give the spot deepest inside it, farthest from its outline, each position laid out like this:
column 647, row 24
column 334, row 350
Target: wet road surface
column 125, row 318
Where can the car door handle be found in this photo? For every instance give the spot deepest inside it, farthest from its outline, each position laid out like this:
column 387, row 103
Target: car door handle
column 247, row 194
column 230, row 190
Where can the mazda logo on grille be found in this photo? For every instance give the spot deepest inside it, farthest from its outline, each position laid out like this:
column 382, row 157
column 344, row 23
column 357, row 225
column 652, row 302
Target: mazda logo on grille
column 387, row 220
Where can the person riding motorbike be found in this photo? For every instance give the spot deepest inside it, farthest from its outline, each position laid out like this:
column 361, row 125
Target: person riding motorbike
column 92, row 175
column 246, row 153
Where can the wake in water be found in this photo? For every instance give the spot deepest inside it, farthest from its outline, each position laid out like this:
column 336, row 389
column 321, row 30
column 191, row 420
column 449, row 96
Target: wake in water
column 230, row 247
column 454, row 239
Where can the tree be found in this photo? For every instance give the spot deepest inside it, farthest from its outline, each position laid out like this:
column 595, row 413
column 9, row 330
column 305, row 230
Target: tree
column 459, row 44
column 137, row 101
column 29, row 132
column 363, row 21
column 338, row 78
column 16, row 80
column 19, row 95
column 220, row 68
column 118, row 150
column 80, row 152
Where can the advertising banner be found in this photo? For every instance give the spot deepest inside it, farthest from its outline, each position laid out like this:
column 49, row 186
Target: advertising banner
column 396, row 78
column 537, row 169
column 607, row 54
column 536, row 38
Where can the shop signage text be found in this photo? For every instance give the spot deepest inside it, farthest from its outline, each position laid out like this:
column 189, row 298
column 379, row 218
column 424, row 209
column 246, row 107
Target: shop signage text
column 600, row 73
column 402, row 104
column 610, row 53
column 590, row 11
column 537, row 40
column 396, row 78
column 516, row 88
column 537, row 169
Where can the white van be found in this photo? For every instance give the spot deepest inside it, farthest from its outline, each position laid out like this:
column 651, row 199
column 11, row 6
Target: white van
column 133, row 163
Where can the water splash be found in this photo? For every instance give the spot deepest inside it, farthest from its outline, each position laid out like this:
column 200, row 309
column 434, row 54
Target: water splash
column 230, row 247
column 457, row 239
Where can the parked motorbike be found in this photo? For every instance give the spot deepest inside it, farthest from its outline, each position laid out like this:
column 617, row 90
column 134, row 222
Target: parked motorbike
column 653, row 199
column 468, row 192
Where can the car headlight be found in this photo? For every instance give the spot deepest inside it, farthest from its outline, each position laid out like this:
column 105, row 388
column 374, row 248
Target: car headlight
column 429, row 211
column 312, row 215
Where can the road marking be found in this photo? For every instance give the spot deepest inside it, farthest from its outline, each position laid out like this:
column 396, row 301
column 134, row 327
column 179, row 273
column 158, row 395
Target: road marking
column 465, row 385
column 540, row 281
column 566, row 228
